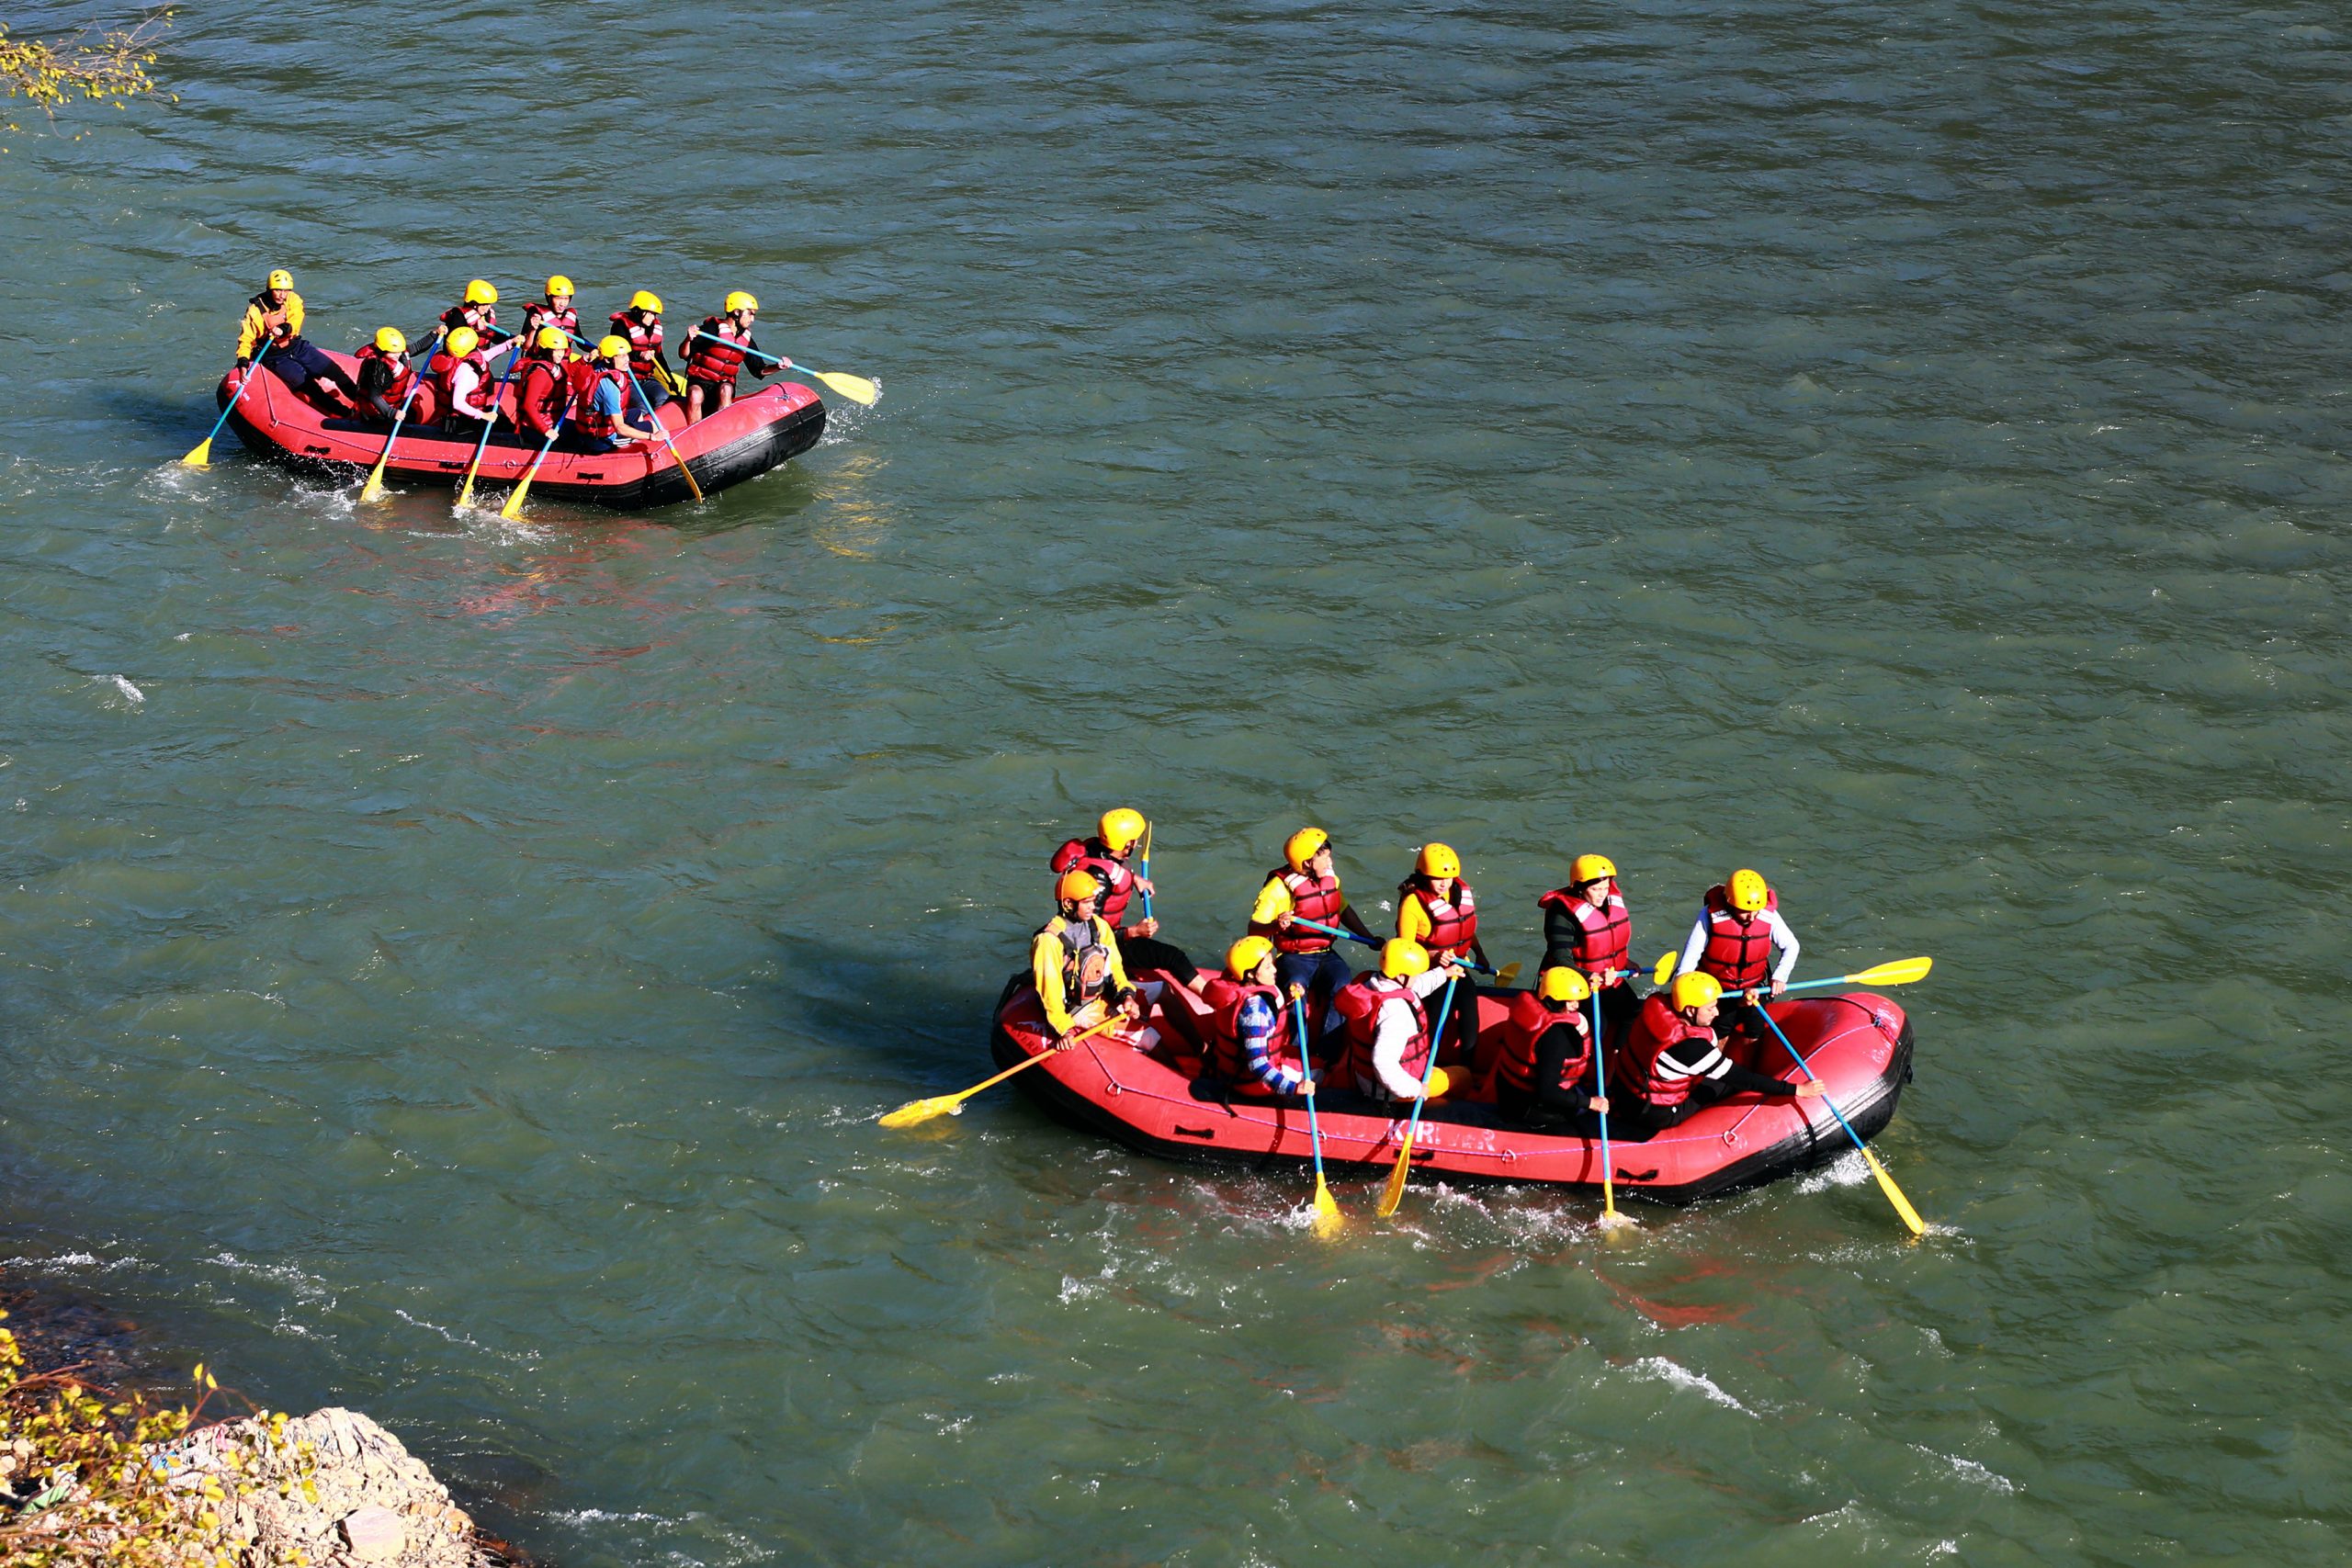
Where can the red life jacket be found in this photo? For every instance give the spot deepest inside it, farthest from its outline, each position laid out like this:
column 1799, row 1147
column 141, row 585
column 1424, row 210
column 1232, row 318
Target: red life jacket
column 1452, row 927
column 540, row 404
column 1657, row 1030
column 586, row 417
column 1226, row 1060
column 539, row 313
column 1607, row 928
column 442, row 370
column 1359, row 1003
column 1522, row 1033
column 1117, row 879
column 716, row 363
column 1739, row 949
column 644, row 342
column 404, row 374
column 1311, row 898
column 483, row 319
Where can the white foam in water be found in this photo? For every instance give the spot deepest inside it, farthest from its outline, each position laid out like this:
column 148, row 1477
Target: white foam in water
column 1969, row 1470
column 131, row 694
column 1851, row 1170
column 1659, row 1367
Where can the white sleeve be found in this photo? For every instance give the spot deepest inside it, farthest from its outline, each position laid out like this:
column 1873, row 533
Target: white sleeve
column 1425, row 983
column 1786, row 941
column 1694, row 944
column 1393, row 1034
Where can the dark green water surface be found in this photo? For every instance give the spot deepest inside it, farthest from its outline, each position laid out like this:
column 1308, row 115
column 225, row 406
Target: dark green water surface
column 451, row 967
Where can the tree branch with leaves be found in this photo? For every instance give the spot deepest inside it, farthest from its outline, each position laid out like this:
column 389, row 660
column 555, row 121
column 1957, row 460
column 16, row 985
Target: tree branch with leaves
column 105, row 65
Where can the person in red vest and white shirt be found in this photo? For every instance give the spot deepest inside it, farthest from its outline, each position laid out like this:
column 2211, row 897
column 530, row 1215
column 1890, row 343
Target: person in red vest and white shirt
column 1738, row 929
column 1672, row 1062
column 1384, row 1019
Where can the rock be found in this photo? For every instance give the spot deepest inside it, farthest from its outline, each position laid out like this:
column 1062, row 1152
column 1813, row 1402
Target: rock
column 374, row 1534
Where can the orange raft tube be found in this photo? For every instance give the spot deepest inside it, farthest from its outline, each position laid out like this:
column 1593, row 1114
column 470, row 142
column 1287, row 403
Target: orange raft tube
column 1144, row 1094
column 751, row 435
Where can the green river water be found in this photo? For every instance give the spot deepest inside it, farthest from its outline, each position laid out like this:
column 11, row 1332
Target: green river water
column 451, row 967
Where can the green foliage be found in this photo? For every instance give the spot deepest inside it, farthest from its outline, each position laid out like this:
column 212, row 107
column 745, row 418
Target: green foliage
column 107, row 66
column 91, row 1479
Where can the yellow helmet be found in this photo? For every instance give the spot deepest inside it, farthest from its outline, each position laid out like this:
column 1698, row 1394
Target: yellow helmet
column 1590, row 868
column 1241, row 960
column 1747, row 890
column 739, row 300
column 642, row 300
column 479, row 292
column 613, row 346
column 1075, row 884
column 389, row 340
column 1438, row 861
column 1440, row 1081
column 550, row 338
column 1301, row 846
column 559, row 283
column 279, row 278
column 463, row 340
column 1697, row 989
column 1401, row 958
column 1120, row 827
column 1562, row 984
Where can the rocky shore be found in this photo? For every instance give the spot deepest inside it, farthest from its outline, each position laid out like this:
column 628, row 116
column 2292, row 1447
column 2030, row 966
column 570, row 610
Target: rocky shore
column 368, row 1502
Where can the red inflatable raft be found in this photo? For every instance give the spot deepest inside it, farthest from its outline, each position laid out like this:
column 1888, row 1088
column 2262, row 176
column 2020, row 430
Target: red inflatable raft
column 1141, row 1093
column 753, row 435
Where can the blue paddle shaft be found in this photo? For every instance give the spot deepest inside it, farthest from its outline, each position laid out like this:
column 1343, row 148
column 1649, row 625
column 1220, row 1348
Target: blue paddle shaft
column 242, row 382
column 1306, row 1066
column 1600, row 1083
column 1437, row 1041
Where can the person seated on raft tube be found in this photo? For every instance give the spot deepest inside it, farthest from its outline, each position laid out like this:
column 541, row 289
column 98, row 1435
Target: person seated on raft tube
column 1588, row 927
column 711, row 366
column 386, row 376
column 272, row 332
column 639, row 325
column 1543, row 1073
column 1740, row 924
column 476, row 311
column 544, row 397
column 1252, row 1041
column 1436, row 908
column 1386, row 1028
column 554, row 312
column 464, row 386
column 1305, row 888
column 1074, row 962
column 1105, row 856
column 1672, row 1062
column 601, row 399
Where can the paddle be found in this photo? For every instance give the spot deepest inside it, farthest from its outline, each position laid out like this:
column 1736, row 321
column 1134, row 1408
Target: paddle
column 1609, row 1217
column 1145, row 870
column 916, row 1111
column 1394, row 1193
column 513, row 510
column 1329, row 1221
column 466, row 491
column 374, row 488
column 200, row 454
column 1886, row 1183
column 652, row 418
column 856, row 389
column 1901, row 972
column 1505, row 975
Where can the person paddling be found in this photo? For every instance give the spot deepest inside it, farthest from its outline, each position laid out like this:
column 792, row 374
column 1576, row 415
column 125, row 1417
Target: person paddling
column 1074, row 962
column 1384, row 1024
column 604, row 403
column 1106, row 856
column 1436, row 908
column 1739, row 925
column 546, row 391
column 478, row 309
column 1252, row 1049
column 1305, row 888
column 1588, row 927
column 554, row 311
column 715, row 352
column 1672, row 1063
column 271, row 331
column 1543, row 1074
column 386, row 376
column 467, row 388
column 639, row 325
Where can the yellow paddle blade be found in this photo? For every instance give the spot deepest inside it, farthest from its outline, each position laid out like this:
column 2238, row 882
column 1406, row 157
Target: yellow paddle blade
column 1329, row 1221
column 1506, row 974
column 200, row 456
column 374, row 488
column 916, row 1111
column 513, row 510
column 1665, row 970
column 1394, row 1193
column 1894, row 1196
column 1902, row 972
column 856, row 389
column 465, row 495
